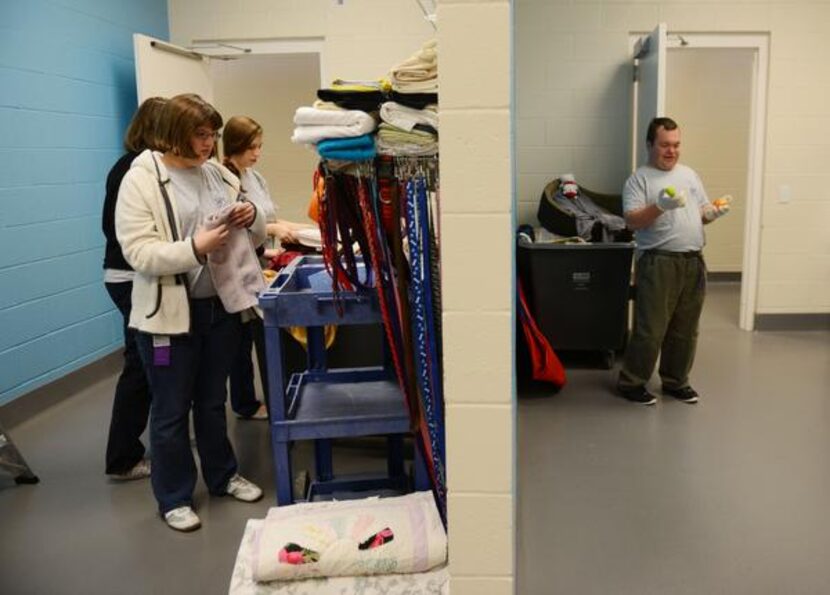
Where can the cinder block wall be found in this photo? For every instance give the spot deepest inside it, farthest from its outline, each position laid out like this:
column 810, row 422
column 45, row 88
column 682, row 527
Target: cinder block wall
column 67, row 92
column 477, row 267
column 573, row 92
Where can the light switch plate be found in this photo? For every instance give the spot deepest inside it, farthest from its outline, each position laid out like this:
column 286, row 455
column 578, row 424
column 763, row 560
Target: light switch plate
column 784, row 193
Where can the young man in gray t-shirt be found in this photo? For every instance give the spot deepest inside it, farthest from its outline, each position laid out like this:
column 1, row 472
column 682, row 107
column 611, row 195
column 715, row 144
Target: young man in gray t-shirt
column 665, row 204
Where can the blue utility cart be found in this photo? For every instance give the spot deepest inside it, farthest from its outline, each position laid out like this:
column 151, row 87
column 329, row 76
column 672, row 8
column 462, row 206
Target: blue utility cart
column 321, row 403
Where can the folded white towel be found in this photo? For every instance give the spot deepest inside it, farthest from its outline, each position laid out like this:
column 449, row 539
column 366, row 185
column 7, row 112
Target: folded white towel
column 406, row 117
column 311, row 135
column 310, row 116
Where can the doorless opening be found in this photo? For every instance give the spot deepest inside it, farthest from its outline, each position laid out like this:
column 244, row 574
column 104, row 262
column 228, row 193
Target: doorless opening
column 657, row 55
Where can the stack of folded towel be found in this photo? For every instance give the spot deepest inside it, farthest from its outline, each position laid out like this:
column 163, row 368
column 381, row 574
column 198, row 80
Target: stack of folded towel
column 415, row 80
column 407, row 131
column 341, row 122
column 314, row 125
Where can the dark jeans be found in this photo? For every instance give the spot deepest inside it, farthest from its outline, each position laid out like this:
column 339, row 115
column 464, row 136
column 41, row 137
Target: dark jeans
column 243, row 392
column 131, row 405
column 194, row 379
column 671, row 288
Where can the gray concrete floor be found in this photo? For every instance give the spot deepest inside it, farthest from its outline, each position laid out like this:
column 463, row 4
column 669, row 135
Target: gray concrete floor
column 76, row 532
column 727, row 496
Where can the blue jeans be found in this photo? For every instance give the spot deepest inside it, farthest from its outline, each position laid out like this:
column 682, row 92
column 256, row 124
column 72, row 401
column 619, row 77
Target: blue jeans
column 131, row 405
column 194, row 379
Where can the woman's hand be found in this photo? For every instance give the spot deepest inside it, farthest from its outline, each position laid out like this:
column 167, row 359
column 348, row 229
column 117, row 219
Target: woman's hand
column 243, row 214
column 272, row 252
column 207, row 240
column 283, row 231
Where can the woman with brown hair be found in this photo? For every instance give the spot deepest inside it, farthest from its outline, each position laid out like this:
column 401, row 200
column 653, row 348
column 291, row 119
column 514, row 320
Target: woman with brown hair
column 242, row 148
column 131, row 405
column 186, row 337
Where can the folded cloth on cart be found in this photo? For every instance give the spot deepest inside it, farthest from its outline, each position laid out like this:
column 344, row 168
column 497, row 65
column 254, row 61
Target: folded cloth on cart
column 432, row 582
column 406, row 118
column 398, row 535
column 314, row 125
column 310, row 116
column 381, row 84
column 367, row 101
column 234, row 267
column 392, row 140
column 413, row 99
column 418, row 73
column 357, row 148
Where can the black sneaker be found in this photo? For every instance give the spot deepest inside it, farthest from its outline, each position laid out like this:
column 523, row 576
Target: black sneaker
column 638, row 395
column 686, row 394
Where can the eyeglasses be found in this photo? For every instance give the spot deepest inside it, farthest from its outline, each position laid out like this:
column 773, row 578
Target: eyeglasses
column 204, row 135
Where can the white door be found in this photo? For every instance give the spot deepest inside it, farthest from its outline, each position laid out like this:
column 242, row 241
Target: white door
column 650, row 88
column 164, row 70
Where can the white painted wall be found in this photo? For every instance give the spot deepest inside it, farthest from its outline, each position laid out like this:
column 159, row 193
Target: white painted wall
column 709, row 92
column 573, row 95
column 269, row 89
column 363, row 39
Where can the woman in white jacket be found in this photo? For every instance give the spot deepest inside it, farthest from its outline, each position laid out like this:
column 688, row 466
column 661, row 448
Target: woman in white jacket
column 186, row 338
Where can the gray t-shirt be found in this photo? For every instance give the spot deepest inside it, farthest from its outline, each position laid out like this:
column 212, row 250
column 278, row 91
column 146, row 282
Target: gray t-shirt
column 677, row 230
column 256, row 190
column 198, row 191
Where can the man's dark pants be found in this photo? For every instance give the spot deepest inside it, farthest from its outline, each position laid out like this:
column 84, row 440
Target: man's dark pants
column 671, row 287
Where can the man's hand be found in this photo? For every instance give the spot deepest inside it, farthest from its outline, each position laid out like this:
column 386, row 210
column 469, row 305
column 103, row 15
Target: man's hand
column 670, row 199
column 207, row 240
column 243, row 214
column 716, row 209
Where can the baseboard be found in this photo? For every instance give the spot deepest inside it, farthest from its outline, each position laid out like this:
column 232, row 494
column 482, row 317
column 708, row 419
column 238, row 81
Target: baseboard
column 792, row 322
column 724, row 277
column 26, row 406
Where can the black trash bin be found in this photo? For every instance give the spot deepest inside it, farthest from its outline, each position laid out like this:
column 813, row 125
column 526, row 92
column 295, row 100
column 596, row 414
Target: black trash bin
column 578, row 293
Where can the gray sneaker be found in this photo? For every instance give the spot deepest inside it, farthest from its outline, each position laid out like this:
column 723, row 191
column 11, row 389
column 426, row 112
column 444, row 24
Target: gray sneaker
column 242, row 489
column 182, row 519
column 141, row 470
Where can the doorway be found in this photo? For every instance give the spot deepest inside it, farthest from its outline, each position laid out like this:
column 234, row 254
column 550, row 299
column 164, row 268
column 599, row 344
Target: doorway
column 269, row 88
column 709, row 92
column 263, row 79
column 715, row 84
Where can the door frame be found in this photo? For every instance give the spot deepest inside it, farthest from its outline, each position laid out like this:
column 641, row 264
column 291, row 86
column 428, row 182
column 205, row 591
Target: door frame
column 759, row 42
column 237, row 48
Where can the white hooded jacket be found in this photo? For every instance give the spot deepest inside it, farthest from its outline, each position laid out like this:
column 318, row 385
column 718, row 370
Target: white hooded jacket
column 153, row 245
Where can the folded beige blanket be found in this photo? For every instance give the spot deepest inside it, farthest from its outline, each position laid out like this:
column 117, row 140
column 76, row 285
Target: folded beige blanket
column 418, row 73
column 393, row 134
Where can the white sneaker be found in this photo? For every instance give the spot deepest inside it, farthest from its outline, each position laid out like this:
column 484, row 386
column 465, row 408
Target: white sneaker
column 242, row 489
column 260, row 414
column 182, row 519
column 139, row 471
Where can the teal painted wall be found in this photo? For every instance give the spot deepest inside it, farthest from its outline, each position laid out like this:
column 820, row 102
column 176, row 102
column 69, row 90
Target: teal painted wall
column 67, row 92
